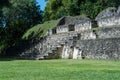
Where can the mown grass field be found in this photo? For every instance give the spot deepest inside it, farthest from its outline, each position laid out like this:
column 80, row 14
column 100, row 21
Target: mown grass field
column 59, row 70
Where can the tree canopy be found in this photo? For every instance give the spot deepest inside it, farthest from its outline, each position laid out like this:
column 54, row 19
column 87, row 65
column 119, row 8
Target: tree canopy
column 16, row 18
column 58, row 8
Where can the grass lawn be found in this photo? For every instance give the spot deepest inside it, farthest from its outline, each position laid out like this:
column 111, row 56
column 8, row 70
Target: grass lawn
column 59, row 70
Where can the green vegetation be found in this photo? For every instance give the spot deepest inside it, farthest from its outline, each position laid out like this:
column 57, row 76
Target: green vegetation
column 16, row 17
column 58, row 8
column 60, row 70
column 40, row 30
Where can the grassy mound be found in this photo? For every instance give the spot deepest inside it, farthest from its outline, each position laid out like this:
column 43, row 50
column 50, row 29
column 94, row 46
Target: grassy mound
column 40, row 30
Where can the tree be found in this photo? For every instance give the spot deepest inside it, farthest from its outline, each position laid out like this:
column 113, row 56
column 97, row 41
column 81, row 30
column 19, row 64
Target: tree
column 59, row 8
column 17, row 18
column 4, row 3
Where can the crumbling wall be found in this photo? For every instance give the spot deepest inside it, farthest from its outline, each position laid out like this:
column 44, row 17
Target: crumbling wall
column 86, row 35
column 79, row 23
column 108, row 33
column 83, row 26
column 109, row 21
column 108, row 18
column 62, row 29
column 100, row 48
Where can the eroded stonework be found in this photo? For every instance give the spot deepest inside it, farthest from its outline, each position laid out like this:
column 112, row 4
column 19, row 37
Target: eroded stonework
column 80, row 37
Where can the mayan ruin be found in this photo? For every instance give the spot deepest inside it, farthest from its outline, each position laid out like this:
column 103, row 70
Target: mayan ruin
column 81, row 37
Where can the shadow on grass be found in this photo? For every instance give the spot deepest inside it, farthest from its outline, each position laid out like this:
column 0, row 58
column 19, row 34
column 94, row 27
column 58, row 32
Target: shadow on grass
column 8, row 59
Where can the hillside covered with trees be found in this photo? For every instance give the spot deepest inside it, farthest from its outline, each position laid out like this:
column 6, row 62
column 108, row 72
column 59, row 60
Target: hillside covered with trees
column 19, row 18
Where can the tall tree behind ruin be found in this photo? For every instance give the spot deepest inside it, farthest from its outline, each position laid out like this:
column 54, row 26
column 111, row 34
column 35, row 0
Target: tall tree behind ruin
column 58, row 8
column 17, row 18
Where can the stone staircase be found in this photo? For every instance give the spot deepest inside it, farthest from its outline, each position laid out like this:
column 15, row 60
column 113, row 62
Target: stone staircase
column 54, row 42
column 48, row 48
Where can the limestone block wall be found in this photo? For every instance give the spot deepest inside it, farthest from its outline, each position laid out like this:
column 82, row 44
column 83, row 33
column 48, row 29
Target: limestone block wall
column 71, row 52
column 108, row 33
column 100, row 48
column 83, row 26
column 109, row 12
column 109, row 22
column 62, row 29
column 67, row 42
column 86, row 35
column 109, row 17
column 118, row 10
column 77, row 53
column 78, row 23
column 67, row 52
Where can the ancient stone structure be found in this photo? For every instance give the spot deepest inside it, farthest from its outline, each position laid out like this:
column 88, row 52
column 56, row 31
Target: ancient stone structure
column 108, row 18
column 80, row 37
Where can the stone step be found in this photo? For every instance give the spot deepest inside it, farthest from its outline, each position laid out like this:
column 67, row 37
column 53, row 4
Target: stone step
column 39, row 57
column 62, row 43
column 54, row 48
column 59, row 46
column 70, row 38
column 50, row 51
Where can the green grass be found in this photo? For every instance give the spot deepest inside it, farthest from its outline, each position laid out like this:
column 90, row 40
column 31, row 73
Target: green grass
column 59, row 70
column 41, row 28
